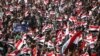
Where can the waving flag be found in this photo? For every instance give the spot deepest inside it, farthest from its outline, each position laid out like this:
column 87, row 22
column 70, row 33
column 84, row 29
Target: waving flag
column 25, row 50
column 90, row 39
column 72, row 19
column 70, row 41
column 19, row 44
column 94, row 28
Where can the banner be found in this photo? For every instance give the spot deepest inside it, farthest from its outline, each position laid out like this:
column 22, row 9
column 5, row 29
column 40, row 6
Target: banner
column 19, row 27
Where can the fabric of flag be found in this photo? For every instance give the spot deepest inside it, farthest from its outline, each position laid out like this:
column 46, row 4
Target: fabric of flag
column 34, row 52
column 67, row 31
column 50, row 54
column 60, row 37
column 94, row 28
column 83, row 45
column 79, row 23
column 72, row 19
column 44, row 28
column 70, row 41
column 25, row 50
column 77, row 40
column 59, row 18
column 24, row 36
column 42, row 40
column 52, row 12
column 94, row 54
column 19, row 44
column 50, row 44
column 90, row 39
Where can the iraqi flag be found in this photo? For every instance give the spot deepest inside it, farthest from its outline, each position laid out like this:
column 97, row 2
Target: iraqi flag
column 70, row 41
column 19, row 44
column 90, row 39
column 25, row 50
column 72, row 19
column 94, row 28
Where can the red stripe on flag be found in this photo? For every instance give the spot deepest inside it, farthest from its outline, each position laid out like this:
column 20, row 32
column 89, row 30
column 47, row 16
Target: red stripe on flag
column 74, row 37
column 18, row 43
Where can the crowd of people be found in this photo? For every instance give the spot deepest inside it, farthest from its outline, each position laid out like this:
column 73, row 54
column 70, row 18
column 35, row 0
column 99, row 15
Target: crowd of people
column 49, row 27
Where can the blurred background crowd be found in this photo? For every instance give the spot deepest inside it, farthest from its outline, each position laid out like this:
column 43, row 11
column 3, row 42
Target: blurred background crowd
column 44, row 27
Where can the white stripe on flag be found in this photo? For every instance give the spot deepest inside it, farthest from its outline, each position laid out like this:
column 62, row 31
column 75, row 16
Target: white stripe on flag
column 76, row 40
column 65, row 45
column 19, row 44
column 92, row 28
